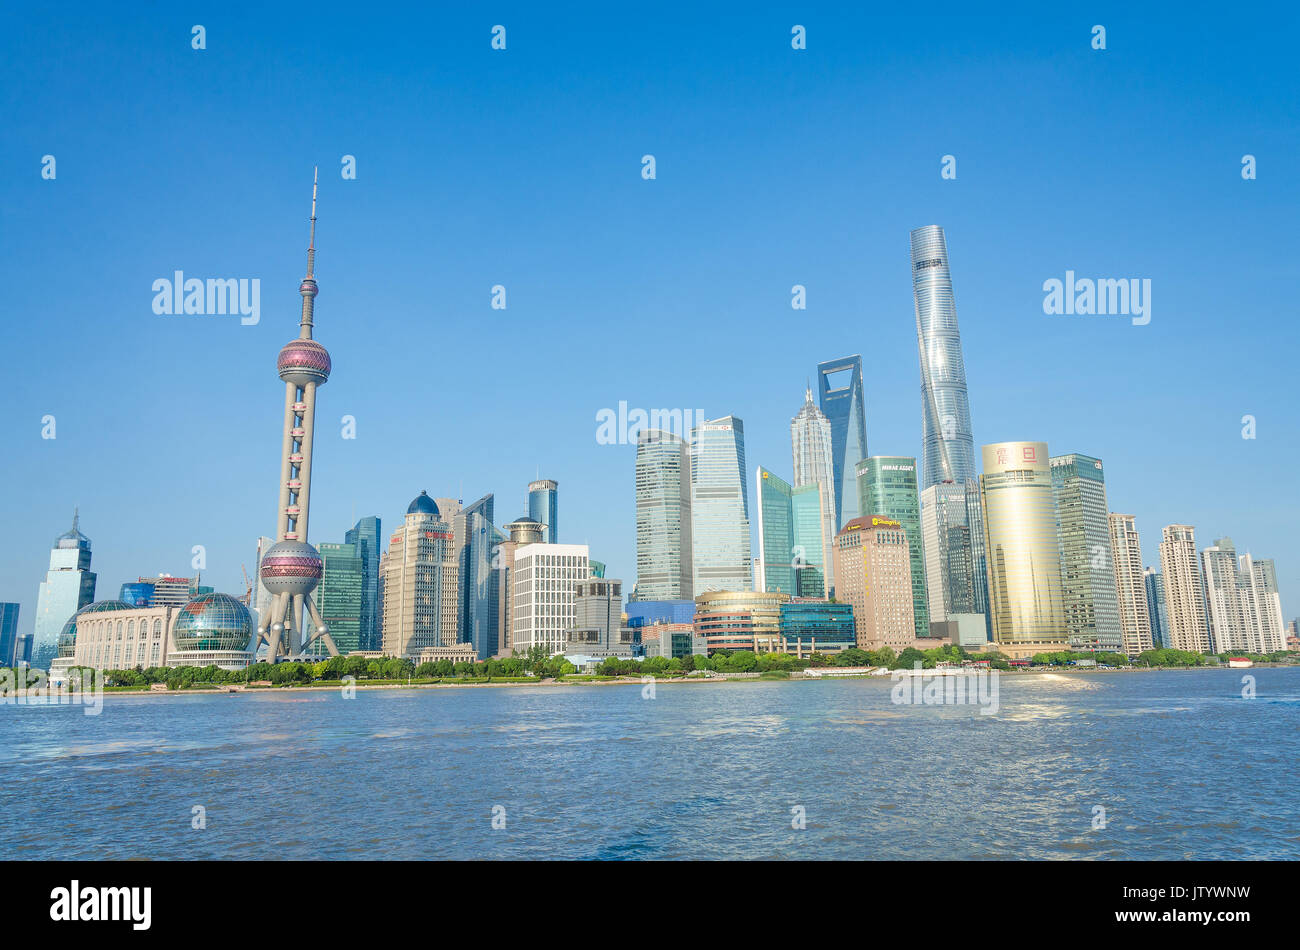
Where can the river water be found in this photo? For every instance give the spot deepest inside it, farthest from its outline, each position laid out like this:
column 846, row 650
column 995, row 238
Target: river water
column 1120, row 765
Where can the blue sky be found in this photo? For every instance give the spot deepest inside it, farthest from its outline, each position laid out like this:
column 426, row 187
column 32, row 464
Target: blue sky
column 522, row 167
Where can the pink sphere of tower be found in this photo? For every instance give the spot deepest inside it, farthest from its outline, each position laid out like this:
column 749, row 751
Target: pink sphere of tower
column 304, row 361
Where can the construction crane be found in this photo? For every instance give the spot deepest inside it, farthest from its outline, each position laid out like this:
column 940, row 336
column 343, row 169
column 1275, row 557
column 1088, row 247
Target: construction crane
column 248, row 587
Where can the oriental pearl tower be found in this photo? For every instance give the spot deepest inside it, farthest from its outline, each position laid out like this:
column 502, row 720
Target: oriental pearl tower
column 291, row 568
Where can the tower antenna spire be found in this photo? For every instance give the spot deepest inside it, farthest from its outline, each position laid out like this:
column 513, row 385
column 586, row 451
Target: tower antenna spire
column 308, row 287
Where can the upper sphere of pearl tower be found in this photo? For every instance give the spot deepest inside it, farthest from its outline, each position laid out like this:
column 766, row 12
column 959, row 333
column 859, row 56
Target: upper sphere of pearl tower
column 304, row 361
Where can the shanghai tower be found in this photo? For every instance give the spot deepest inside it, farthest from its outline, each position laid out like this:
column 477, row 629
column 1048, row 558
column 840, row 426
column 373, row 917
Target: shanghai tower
column 291, row 568
column 948, row 448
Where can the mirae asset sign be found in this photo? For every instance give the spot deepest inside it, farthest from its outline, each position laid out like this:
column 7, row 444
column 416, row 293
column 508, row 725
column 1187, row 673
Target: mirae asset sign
column 102, row 903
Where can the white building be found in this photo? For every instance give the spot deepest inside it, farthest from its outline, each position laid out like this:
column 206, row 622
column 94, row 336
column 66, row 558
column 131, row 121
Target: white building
column 1130, row 585
column 543, row 585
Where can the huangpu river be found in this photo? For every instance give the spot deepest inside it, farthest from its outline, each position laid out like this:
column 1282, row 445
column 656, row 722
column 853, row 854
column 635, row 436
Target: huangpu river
column 1167, row 765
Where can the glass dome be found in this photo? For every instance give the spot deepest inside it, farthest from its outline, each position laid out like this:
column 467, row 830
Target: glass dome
column 68, row 635
column 423, row 505
column 213, row 622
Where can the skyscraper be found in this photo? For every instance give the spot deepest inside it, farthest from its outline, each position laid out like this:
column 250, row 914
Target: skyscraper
column 1184, row 593
column 1130, row 585
column 1088, row 594
column 810, row 442
column 1226, row 610
column 292, row 568
column 843, row 402
column 887, row 487
column 1021, row 551
column 947, row 446
column 952, row 540
column 479, row 598
column 8, row 634
column 341, row 594
column 875, row 576
column 420, row 582
column 544, row 506
column 1156, row 610
column 69, row 585
column 365, row 534
column 1242, row 604
column 720, row 507
column 1260, row 580
column 790, row 542
column 663, row 517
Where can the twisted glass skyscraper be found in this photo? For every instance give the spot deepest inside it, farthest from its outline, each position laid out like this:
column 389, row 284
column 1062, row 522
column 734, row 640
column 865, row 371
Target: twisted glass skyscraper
column 947, row 446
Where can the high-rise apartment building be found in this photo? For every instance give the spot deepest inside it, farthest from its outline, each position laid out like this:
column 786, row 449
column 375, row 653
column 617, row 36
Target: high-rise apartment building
column 843, row 401
column 543, row 583
column 952, row 539
column 1021, row 551
column 790, row 545
column 1243, row 609
column 69, row 585
column 1184, row 593
column 544, row 506
column 1088, row 596
column 1260, row 580
column 720, row 541
column 365, row 535
column 874, row 568
column 663, row 517
column 1130, row 585
column 810, row 443
column 421, row 583
column 947, row 445
column 1226, row 609
column 1154, row 583
column 887, row 487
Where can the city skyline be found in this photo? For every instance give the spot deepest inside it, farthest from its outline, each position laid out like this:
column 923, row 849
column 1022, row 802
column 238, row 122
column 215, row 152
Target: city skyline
column 115, row 415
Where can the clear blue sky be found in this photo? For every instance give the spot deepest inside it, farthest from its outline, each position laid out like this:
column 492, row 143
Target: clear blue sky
column 775, row 167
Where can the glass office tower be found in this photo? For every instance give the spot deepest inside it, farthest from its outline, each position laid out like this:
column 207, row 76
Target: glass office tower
column 947, row 446
column 544, row 506
column 952, row 533
column 1088, row 594
column 365, row 534
column 8, row 634
column 1020, row 545
column 790, row 542
column 775, row 534
column 340, row 596
column 810, row 443
column 479, row 597
column 843, row 402
column 720, row 507
column 69, row 585
column 663, row 517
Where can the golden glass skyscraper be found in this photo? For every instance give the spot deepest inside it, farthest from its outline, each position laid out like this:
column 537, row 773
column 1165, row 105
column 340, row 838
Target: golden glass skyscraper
column 1023, row 554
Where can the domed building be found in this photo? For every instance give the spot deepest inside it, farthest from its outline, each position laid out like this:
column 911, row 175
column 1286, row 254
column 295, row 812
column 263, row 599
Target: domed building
column 116, row 635
column 214, row 629
column 421, row 580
